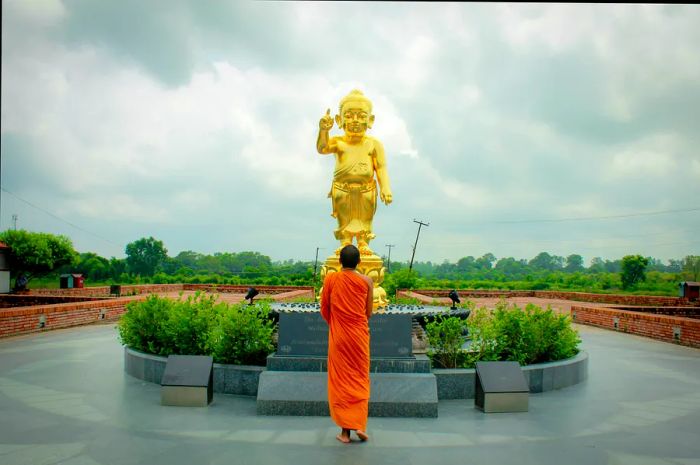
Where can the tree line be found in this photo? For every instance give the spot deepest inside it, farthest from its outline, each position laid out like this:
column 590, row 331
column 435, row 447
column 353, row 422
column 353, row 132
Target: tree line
column 36, row 255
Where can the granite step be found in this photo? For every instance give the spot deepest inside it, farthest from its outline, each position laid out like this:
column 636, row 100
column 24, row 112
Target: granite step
column 302, row 393
column 418, row 363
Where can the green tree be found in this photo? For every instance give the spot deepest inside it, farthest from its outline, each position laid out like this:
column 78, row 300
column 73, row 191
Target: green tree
column 92, row 266
column 691, row 266
column 466, row 263
column 401, row 279
column 145, row 255
column 597, row 265
column 574, row 263
column 485, row 262
column 633, row 270
column 511, row 267
column 35, row 254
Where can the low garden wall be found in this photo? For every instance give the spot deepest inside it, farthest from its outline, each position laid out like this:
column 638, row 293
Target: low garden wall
column 668, row 328
column 427, row 296
column 137, row 289
column 26, row 300
column 264, row 290
column 688, row 312
column 451, row 383
column 103, row 291
column 456, row 383
column 80, row 306
column 228, row 379
column 23, row 320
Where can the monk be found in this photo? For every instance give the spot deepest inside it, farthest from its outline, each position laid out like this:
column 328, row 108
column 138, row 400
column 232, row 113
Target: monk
column 346, row 305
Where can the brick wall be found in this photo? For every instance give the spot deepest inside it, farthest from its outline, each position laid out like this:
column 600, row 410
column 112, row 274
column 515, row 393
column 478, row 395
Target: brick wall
column 28, row 319
column 26, row 300
column 225, row 288
column 678, row 329
column 22, row 320
column 687, row 312
column 644, row 300
column 101, row 291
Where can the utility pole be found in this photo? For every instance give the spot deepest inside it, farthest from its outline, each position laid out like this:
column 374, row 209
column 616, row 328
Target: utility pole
column 316, row 262
column 420, row 225
column 389, row 260
column 14, row 220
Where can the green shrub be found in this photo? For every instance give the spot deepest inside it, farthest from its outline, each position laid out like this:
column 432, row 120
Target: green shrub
column 199, row 325
column 526, row 336
column 446, row 337
column 242, row 335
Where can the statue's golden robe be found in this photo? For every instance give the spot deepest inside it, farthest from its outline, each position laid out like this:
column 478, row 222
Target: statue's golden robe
column 354, row 191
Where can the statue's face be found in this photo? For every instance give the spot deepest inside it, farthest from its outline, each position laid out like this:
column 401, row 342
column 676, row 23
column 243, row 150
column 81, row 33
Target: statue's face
column 356, row 118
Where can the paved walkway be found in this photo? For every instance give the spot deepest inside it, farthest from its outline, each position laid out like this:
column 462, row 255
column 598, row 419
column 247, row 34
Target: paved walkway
column 64, row 399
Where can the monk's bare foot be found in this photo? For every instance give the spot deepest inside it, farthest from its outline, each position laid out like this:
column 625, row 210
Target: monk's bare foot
column 344, row 436
column 362, row 435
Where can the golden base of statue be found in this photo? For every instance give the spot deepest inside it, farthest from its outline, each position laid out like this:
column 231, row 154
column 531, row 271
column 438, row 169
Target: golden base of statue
column 371, row 266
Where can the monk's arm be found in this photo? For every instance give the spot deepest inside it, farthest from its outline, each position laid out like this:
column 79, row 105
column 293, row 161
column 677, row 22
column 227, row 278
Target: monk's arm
column 326, row 300
column 370, row 298
column 382, row 175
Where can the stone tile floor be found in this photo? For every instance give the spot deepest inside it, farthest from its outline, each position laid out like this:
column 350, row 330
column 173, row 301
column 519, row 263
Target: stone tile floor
column 64, row 399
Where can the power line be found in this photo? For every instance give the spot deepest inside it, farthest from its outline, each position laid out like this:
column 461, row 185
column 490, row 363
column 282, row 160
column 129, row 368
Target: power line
column 608, row 217
column 60, row 219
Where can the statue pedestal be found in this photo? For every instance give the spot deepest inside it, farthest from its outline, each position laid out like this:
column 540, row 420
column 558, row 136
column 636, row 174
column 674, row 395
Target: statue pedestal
column 370, row 265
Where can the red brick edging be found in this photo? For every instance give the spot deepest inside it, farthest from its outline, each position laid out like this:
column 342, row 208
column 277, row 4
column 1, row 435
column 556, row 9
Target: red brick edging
column 29, row 319
column 677, row 329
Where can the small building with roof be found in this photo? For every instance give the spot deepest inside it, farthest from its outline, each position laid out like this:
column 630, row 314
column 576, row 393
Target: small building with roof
column 690, row 290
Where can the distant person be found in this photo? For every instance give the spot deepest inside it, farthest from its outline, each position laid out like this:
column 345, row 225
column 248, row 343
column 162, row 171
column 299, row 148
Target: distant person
column 346, row 305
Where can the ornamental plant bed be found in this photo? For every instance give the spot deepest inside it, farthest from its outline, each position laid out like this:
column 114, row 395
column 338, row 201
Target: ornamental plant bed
column 238, row 334
column 509, row 333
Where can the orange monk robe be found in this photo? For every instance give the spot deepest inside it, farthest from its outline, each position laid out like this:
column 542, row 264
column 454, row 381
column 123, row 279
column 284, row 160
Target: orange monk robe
column 343, row 304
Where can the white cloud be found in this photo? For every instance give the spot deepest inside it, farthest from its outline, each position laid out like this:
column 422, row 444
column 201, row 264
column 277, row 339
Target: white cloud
column 472, row 118
column 652, row 157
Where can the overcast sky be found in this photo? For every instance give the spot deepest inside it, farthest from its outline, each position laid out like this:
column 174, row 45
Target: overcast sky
column 511, row 129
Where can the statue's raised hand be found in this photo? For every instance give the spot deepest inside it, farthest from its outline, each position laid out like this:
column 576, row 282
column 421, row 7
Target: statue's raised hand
column 326, row 122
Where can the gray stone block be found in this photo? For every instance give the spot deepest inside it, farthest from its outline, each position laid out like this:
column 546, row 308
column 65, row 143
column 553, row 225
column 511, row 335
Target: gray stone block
column 133, row 365
column 547, row 379
column 534, row 379
column 306, row 393
column 455, row 383
column 219, row 378
column 415, row 364
column 241, row 379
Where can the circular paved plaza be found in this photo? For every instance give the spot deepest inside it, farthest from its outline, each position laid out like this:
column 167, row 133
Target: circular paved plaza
column 65, row 399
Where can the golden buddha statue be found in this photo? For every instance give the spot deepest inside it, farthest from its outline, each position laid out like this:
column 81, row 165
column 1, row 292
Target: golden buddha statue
column 353, row 191
column 357, row 158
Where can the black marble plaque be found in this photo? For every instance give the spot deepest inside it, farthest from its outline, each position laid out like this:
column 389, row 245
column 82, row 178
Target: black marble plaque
column 306, row 333
column 188, row 370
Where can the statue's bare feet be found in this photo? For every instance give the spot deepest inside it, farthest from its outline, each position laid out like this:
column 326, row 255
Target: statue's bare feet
column 362, row 435
column 365, row 250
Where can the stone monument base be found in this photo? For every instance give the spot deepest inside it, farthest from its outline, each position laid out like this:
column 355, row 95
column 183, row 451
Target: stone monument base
column 370, row 265
column 304, row 393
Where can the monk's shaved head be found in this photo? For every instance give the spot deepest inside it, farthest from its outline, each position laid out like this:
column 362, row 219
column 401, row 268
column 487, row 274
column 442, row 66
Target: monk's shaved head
column 349, row 256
